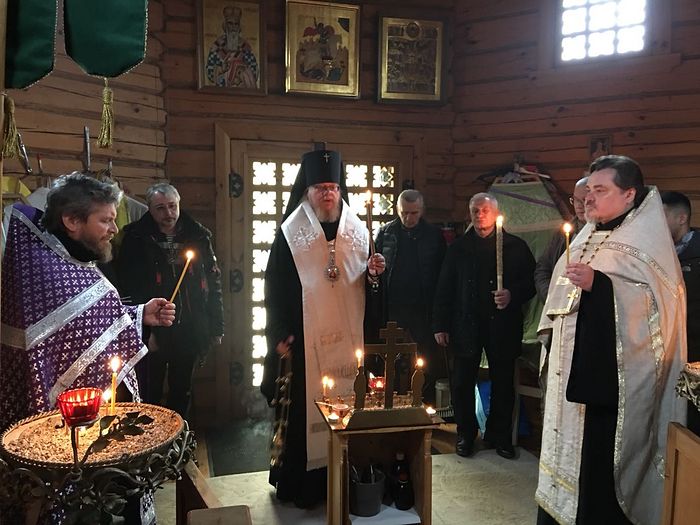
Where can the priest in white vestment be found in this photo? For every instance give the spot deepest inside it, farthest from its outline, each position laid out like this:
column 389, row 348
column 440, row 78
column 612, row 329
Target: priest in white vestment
column 616, row 314
column 317, row 278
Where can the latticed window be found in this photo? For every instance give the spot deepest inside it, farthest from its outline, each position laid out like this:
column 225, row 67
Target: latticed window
column 599, row 28
column 271, row 185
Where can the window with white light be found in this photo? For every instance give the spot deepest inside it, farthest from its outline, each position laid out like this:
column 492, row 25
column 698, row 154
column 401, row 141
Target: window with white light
column 599, row 28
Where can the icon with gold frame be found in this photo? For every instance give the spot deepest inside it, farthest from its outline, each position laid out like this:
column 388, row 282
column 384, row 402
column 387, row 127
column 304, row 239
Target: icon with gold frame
column 411, row 60
column 322, row 48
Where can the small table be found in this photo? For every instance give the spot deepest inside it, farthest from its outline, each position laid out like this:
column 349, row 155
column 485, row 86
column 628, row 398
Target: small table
column 378, row 434
column 37, row 469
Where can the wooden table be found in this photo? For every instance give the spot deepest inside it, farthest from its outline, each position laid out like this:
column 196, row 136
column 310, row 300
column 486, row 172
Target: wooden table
column 377, row 435
column 37, row 469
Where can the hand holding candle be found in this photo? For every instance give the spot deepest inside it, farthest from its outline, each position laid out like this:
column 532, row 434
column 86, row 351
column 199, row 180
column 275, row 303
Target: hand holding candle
column 567, row 233
column 499, row 253
column 189, row 254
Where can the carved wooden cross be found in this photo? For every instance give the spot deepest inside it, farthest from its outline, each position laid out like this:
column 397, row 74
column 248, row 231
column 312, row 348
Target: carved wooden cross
column 391, row 334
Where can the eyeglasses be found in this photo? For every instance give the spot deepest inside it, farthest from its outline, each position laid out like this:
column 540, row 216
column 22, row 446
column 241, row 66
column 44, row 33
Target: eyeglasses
column 575, row 200
column 331, row 188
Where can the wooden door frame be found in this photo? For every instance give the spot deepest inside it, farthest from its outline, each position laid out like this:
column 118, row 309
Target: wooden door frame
column 227, row 216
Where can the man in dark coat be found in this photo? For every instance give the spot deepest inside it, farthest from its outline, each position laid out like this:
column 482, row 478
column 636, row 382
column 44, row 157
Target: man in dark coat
column 413, row 250
column 687, row 241
column 151, row 260
column 316, row 283
column 471, row 314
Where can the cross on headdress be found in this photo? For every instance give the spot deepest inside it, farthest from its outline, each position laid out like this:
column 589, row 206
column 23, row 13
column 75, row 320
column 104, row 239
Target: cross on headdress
column 391, row 334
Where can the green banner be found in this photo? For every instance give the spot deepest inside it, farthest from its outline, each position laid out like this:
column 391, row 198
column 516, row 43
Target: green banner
column 107, row 37
column 31, row 33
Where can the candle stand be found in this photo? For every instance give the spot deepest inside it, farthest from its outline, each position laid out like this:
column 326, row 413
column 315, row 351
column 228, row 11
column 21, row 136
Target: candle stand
column 40, row 470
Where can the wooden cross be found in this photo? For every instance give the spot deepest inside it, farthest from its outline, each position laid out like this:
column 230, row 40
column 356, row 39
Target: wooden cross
column 391, row 334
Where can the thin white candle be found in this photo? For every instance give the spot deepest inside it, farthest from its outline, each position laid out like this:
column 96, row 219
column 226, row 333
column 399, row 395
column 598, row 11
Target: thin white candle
column 114, row 364
column 567, row 233
column 499, row 253
column 189, row 255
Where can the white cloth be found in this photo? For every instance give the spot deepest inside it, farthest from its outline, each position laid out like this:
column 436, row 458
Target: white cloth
column 333, row 311
column 649, row 298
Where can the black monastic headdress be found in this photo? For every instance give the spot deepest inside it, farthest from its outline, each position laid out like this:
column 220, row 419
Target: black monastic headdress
column 317, row 167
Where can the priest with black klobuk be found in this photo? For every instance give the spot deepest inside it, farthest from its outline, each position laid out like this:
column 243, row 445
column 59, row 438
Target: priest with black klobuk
column 318, row 277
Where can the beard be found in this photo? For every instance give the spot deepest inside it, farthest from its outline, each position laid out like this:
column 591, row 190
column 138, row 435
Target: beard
column 101, row 248
column 327, row 215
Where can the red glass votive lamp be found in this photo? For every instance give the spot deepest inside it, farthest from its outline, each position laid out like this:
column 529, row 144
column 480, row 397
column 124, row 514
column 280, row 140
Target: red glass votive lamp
column 376, row 384
column 80, row 406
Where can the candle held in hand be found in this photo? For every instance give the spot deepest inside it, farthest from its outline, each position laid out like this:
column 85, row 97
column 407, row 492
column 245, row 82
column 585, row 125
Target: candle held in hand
column 370, row 226
column 499, row 253
column 189, row 254
column 567, row 233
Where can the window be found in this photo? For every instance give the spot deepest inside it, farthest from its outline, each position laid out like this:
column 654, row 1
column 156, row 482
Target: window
column 598, row 28
column 271, row 185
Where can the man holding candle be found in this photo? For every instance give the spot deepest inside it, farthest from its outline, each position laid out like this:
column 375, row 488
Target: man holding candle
column 64, row 320
column 316, row 282
column 616, row 315
column 471, row 314
column 414, row 250
column 167, row 253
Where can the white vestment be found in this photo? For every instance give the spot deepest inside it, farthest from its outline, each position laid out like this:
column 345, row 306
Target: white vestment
column 650, row 320
column 333, row 311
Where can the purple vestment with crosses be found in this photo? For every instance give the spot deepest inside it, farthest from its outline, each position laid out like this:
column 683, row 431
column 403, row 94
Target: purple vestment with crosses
column 62, row 322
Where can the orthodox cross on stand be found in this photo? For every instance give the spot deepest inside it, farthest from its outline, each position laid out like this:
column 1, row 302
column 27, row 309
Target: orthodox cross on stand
column 392, row 334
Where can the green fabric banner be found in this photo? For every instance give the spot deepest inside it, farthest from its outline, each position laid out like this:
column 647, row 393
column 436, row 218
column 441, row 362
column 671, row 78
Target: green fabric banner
column 31, row 33
column 107, row 37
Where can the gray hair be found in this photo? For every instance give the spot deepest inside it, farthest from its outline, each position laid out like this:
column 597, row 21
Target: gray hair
column 411, row 196
column 76, row 195
column 481, row 197
column 163, row 188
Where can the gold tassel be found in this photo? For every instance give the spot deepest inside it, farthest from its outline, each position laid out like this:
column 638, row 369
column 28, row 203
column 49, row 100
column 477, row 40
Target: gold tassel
column 10, row 146
column 104, row 139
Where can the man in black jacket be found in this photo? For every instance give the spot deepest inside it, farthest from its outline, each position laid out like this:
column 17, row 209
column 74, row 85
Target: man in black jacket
column 151, row 260
column 413, row 250
column 687, row 241
column 470, row 314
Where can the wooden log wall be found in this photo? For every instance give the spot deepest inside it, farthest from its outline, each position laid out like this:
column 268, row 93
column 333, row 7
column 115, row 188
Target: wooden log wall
column 510, row 99
column 192, row 113
column 52, row 113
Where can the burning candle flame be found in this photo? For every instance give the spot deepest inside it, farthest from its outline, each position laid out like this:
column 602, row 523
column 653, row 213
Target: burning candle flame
column 499, row 221
column 420, row 362
column 115, row 363
column 189, row 254
column 567, row 227
column 331, row 383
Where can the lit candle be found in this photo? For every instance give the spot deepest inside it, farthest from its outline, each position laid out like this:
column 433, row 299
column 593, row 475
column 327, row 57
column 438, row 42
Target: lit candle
column 331, row 384
column 370, row 227
column 430, row 410
column 324, row 383
column 499, row 253
column 333, row 417
column 106, row 397
column 419, row 362
column 114, row 364
column 189, row 255
column 567, row 233
column 358, row 355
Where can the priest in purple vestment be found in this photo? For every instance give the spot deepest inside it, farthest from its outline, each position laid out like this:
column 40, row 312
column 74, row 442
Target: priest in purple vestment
column 62, row 320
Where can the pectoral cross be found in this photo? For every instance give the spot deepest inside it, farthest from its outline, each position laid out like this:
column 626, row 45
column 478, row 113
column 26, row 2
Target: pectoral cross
column 326, row 156
column 392, row 334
